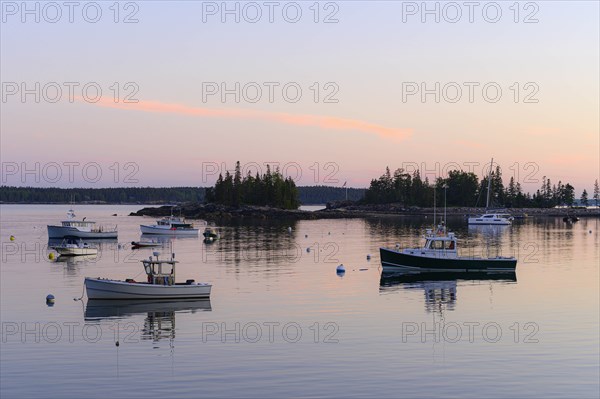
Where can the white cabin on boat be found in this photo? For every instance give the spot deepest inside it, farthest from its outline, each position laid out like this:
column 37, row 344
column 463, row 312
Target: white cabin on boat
column 440, row 245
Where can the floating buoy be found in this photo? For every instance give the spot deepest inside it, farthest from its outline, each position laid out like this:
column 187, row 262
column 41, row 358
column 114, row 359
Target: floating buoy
column 305, row 235
column 340, row 269
column 329, row 233
column 308, row 249
column 51, row 256
column 117, row 343
column 50, row 299
column 368, row 256
column 12, row 238
column 590, row 231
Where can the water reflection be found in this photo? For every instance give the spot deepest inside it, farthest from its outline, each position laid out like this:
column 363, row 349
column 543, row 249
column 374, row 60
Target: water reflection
column 488, row 232
column 440, row 288
column 267, row 242
column 159, row 320
column 71, row 261
column 165, row 239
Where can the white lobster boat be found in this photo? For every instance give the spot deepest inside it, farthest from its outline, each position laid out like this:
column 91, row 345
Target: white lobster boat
column 170, row 225
column 77, row 248
column 80, row 229
column 160, row 285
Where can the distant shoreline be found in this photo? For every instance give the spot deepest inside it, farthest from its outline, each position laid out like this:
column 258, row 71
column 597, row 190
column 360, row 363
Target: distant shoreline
column 220, row 212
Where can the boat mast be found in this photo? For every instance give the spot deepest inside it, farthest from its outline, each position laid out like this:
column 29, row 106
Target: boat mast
column 487, row 202
column 434, row 219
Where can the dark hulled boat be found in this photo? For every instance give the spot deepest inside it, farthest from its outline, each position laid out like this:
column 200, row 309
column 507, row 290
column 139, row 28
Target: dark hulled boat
column 440, row 254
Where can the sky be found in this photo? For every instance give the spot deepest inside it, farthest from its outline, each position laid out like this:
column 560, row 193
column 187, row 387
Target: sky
column 152, row 93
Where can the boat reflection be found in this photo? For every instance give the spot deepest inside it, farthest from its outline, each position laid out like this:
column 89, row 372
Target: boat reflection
column 159, row 320
column 73, row 260
column 165, row 238
column 440, row 288
column 488, row 232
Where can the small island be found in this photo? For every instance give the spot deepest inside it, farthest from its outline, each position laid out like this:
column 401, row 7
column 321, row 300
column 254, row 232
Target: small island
column 271, row 196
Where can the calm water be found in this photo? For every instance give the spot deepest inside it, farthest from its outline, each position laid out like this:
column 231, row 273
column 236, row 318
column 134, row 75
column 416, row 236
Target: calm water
column 281, row 322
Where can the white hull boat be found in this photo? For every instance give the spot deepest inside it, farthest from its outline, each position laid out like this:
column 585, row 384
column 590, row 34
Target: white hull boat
column 160, row 285
column 66, row 251
column 172, row 226
column 75, row 248
column 155, row 229
column 69, row 231
column 80, row 229
column 494, row 219
column 98, row 288
column 491, row 218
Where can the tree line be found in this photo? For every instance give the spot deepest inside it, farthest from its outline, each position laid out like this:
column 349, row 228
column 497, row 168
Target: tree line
column 464, row 189
column 115, row 195
column 154, row 195
column 268, row 189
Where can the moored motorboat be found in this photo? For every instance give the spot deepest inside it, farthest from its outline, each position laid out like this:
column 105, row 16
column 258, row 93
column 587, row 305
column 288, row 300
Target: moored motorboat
column 145, row 244
column 75, row 248
column 170, row 225
column 80, row 229
column 160, row 284
column 210, row 233
column 439, row 253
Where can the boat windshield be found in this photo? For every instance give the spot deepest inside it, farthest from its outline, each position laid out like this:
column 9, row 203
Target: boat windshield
column 73, row 223
column 440, row 244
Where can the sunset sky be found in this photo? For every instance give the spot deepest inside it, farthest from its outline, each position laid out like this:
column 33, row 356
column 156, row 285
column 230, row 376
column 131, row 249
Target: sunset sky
column 368, row 69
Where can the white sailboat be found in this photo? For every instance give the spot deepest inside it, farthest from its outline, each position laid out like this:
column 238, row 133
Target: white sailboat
column 490, row 217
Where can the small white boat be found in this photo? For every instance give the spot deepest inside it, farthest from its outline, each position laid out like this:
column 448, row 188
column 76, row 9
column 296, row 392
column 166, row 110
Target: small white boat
column 490, row 217
column 171, row 225
column 160, row 285
column 498, row 219
column 79, row 248
column 80, row 229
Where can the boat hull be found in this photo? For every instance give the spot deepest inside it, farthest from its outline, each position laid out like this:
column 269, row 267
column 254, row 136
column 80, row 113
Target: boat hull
column 168, row 231
column 395, row 260
column 112, row 289
column 493, row 222
column 63, row 231
column 76, row 251
column 142, row 244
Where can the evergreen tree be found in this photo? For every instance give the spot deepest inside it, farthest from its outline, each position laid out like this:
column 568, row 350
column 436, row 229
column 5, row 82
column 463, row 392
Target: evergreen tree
column 584, row 198
column 569, row 194
column 596, row 192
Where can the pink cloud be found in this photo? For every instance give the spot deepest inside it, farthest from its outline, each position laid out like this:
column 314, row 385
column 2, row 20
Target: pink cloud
column 323, row 122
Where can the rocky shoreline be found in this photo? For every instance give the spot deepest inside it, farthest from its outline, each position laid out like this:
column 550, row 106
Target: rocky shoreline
column 215, row 212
